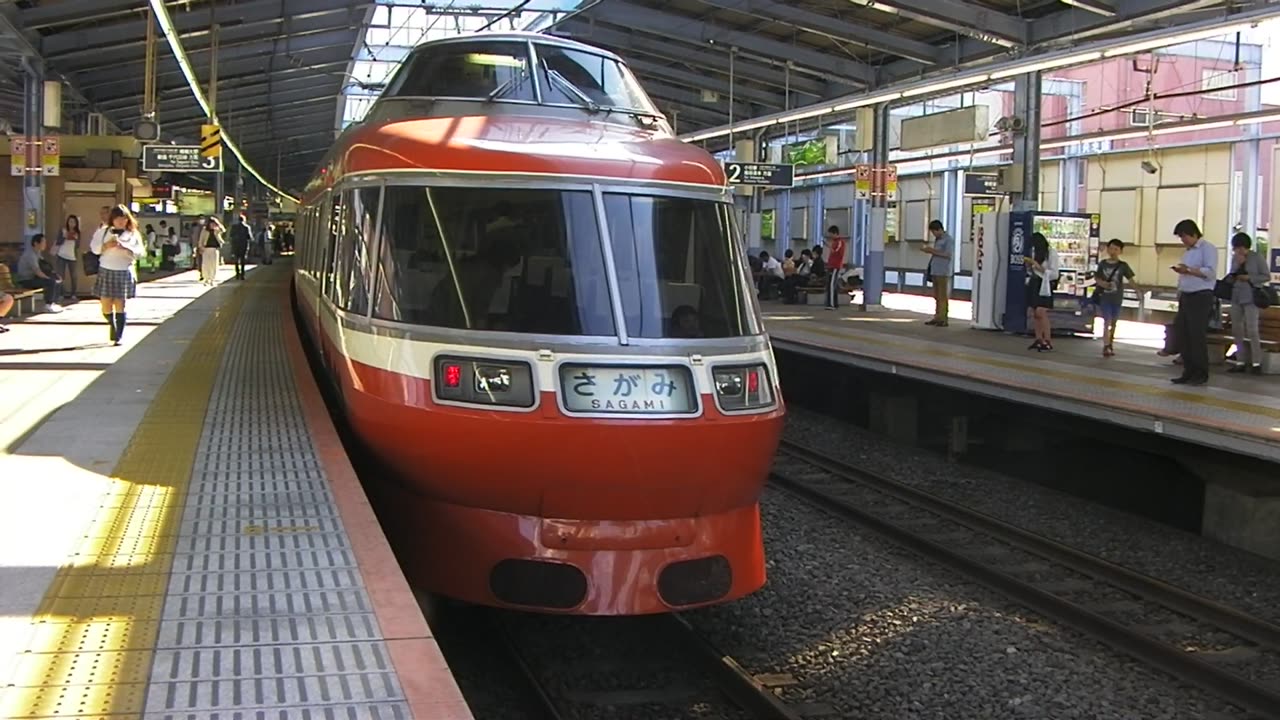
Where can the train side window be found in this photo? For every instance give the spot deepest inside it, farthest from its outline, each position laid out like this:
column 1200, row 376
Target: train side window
column 676, row 259
column 509, row 260
column 330, row 235
column 474, row 70
column 360, row 228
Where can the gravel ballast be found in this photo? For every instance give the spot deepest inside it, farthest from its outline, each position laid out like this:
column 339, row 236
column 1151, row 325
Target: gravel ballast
column 874, row 632
column 1234, row 577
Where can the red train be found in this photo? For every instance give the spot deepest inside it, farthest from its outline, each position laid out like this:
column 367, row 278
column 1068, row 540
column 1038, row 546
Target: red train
column 536, row 310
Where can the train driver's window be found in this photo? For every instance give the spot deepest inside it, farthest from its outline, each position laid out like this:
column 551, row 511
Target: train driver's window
column 489, row 70
column 678, row 269
column 602, row 79
column 506, row 260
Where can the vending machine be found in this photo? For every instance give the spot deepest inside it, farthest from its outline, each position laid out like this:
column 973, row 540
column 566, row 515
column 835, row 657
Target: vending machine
column 1075, row 238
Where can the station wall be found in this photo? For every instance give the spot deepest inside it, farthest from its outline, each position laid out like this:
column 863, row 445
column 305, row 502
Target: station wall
column 1137, row 207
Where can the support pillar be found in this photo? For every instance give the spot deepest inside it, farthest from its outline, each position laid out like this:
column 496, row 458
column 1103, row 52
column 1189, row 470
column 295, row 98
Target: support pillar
column 32, row 127
column 1250, row 207
column 1026, row 144
column 877, row 220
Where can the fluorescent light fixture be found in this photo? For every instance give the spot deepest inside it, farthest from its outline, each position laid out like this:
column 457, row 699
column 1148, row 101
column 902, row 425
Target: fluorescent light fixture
column 1193, row 128
column 180, row 55
column 1092, row 6
column 1046, row 65
column 805, row 115
column 753, row 125
column 948, row 85
column 1258, row 119
column 1161, row 42
column 869, row 100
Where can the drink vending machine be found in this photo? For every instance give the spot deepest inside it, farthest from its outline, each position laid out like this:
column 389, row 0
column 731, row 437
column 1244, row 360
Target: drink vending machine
column 1001, row 241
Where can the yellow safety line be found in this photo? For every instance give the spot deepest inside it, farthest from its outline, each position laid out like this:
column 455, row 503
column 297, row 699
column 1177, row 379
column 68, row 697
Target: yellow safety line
column 96, row 630
column 1129, row 386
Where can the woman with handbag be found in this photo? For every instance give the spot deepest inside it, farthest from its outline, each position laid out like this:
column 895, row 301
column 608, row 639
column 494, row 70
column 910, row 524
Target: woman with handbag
column 1249, row 293
column 211, row 240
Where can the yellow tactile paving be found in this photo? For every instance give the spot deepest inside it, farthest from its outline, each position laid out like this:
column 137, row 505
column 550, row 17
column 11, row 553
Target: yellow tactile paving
column 91, row 648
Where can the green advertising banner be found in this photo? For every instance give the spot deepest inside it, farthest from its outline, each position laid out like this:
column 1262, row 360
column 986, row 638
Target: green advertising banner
column 813, row 152
column 766, row 225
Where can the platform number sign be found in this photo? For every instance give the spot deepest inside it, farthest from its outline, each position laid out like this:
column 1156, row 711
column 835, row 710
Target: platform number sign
column 178, row 158
column 760, row 174
column 1017, row 246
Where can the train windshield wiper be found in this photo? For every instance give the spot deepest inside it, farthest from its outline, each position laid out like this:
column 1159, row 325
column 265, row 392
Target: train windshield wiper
column 572, row 89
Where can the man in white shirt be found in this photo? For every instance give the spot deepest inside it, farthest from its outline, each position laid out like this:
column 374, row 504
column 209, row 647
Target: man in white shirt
column 771, row 275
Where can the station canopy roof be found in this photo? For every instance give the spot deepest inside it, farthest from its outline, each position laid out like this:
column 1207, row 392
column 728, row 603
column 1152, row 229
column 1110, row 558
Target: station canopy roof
column 294, row 72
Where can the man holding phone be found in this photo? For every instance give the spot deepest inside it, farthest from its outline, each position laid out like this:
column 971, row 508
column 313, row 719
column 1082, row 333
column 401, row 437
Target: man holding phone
column 1197, row 274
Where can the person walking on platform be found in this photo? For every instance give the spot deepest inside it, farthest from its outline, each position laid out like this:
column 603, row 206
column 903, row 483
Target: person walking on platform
column 240, row 238
column 1110, row 277
column 120, row 248
column 940, row 272
column 836, row 244
column 1197, row 274
column 210, row 244
column 1248, row 271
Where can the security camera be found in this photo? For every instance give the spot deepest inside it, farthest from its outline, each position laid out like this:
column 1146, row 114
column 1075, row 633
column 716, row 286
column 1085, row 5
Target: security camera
column 1149, row 167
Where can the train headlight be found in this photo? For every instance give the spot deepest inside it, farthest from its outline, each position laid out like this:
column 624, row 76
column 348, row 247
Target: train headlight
column 743, row 388
column 484, row 381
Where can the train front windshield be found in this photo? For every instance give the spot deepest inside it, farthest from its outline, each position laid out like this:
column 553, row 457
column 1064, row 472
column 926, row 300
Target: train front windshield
column 532, row 261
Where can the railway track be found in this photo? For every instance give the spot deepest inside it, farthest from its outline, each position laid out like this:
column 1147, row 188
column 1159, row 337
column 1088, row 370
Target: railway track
column 1217, row 648
column 672, row 673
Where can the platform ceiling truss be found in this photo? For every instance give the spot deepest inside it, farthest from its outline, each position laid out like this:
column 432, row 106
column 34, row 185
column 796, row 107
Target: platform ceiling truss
column 292, row 71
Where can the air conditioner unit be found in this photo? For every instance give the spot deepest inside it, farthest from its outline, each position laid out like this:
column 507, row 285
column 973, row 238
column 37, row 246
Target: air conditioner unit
column 1009, row 179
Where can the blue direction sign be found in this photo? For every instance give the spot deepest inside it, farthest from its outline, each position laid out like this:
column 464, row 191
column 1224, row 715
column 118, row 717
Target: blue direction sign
column 178, row 158
column 762, row 174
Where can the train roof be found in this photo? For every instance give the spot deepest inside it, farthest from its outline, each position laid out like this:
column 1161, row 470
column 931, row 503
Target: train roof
column 496, row 145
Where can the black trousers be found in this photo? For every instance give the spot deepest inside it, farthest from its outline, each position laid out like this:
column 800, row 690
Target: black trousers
column 240, row 258
column 1192, row 324
column 52, row 287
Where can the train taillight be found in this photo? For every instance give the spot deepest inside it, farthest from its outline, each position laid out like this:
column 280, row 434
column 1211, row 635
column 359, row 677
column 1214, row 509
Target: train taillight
column 743, row 388
column 484, row 382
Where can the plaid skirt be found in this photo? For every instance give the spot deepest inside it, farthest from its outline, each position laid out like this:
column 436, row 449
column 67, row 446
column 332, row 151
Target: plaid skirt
column 115, row 284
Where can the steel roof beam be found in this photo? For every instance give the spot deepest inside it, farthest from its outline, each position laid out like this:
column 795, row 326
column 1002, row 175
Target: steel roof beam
column 266, row 108
column 237, row 22
column 231, row 100
column 959, row 16
column 1073, row 24
column 104, row 85
column 630, row 44
column 702, row 81
column 692, row 98
column 815, row 62
column 80, row 11
column 281, row 80
column 135, row 52
column 834, row 28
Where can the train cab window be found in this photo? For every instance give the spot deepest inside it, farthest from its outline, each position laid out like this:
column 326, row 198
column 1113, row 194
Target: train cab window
column 492, row 70
column 506, row 260
column 679, row 267
column 565, row 74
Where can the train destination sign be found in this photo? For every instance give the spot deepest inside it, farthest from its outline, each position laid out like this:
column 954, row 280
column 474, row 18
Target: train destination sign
column 981, row 184
column 178, row 158
column 762, row 174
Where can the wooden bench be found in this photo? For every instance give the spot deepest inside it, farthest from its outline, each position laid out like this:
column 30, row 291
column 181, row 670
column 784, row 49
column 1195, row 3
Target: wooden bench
column 24, row 299
column 1268, row 331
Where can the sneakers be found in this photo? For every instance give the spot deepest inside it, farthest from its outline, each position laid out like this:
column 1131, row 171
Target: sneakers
column 53, row 308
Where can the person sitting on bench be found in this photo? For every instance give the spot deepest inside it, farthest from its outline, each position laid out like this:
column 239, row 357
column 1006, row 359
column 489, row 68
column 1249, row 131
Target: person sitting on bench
column 36, row 273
